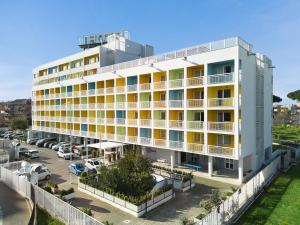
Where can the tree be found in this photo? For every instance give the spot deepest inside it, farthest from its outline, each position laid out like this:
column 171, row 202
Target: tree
column 295, row 95
column 19, row 123
column 276, row 99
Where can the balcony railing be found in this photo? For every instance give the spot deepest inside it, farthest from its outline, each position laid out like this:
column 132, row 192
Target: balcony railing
column 159, row 104
column 92, row 105
column 132, row 122
column 101, row 120
column 145, row 140
column 101, row 105
column 76, row 93
column 83, row 119
column 175, row 103
column 110, row 105
column 110, row 90
column 176, row 144
column 120, row 105
column 145, row 104
column 145, row 122
column 120, row 121
column 220, row 150
column 145, row 87
column 92, row 134
column 100, row 91
column 194, row 81
column 220, row 102
column 159, row 123
column 91, row 119
column 221, row 126
column 220, row 78
column 160, row 142
column 195, row 125
column 195, row 147
column 120, row 89
column 120, row 137
column 83, row 133
column 83, row 93
column 131, row 105
column 110, row 120
column 131, row 88
column 69, row 106
column 83, row 106
column 195, row 103
column 132, row 139
column 176, row 83
column 160, row 85
column 176, row 124
column 110, row 136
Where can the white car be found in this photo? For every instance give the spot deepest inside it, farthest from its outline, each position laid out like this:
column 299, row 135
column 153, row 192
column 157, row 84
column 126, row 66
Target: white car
column 56, row 147
column 92, row 164
column 41, row 170
column 65, row 154
column 64, row 146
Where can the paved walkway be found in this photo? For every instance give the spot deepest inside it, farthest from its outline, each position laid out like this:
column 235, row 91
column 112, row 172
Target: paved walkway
column 14, row 210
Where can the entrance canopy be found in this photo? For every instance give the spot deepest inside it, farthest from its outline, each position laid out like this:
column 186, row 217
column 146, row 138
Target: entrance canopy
column 106, row 145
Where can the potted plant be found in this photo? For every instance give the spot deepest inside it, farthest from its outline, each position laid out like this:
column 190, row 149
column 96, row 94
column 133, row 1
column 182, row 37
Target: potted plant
column 67, row 194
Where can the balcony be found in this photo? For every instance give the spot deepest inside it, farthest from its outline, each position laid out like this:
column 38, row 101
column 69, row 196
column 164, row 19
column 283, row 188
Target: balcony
column 83, row 133
column 159, row 104
column 176, row 145
column 145, row 122
column 176, row 124
column 159, row 123
column 77, row 106
column 131, row 105
column 145, row 87
column 63, row 95
column 92, row 120
column 131, row 88
column 110, row 120
column 175, row 103
column 132, row 122
column 220, row 102
column 220, row 78
column 100, row 105
column 92, row 92
column 195, row 103
column 160, row 85
column 100, row 91
column 221, row 150
column 84, row 120
column 92, row 134
column 194, row 81
column 120, row 137
column 145, row 141
column 145, row 104
column 120, row 121
column 110, row 105
column 120, row 105
column 57, row 95
column 75, row 132
column 63, row 119
column 132, row 139
column 92, row 105
column 76, row 93
column 195, row 147
column 69, row 106
column 83, row 93
column 101, row 120
column 110, row 90
column 221, row 126
column 69, row 119
column 176, row 83
column 120, row 89
column 110, row 136
column 83, row 106
column 63, row 106
column 160, row 142
column 195, row 125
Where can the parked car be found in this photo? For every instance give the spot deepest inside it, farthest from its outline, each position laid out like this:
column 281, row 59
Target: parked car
column 65, row 153
column 92, row 164
column 47, row 144
column 42, row 170
column 56, row 147
column 31, row 141
column 52, row 144
column 41, row 142
column 32, row 153
column 64, row 146
column 76, row 168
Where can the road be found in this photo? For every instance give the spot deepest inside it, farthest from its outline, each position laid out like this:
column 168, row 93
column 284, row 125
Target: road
column 14, row 210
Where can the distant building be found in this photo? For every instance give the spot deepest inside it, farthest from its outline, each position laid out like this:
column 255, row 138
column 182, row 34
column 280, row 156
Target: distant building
column 10, row 110
column 286, row 114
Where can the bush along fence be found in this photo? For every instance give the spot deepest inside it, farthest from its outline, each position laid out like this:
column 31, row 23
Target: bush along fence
column 180, row 180
column 54, row 205
column 238, row 201
column 136, row 206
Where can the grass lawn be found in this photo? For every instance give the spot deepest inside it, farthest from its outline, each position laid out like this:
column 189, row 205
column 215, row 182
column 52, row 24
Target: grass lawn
column 44, row 218
column 280, row 204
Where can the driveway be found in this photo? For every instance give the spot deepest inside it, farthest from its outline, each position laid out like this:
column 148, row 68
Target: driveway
column 184, row 204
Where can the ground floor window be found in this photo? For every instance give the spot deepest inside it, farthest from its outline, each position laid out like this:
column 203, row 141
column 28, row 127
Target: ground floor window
column 229, row 164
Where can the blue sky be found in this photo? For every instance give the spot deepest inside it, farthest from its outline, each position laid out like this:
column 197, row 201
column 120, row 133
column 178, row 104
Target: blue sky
column 35, row 32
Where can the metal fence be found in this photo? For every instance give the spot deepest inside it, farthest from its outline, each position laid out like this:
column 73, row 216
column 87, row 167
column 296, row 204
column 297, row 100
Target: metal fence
column 54, row 205
column 235, row 203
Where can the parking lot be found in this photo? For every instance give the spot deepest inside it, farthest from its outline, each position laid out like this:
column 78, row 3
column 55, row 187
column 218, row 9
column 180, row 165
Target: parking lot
column 184, row 204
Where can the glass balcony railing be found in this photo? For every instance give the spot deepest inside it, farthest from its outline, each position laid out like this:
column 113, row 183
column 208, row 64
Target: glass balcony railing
column 220, row 150
column 145, row 140
column 145, row 87
column 159, row 104
column 145, row 122
column 221, row 126
column 160, row 85
column 194, row 81
column 220, row 102
column 195, row 147
column 160, row 142
column 120, row 89
column 195, row 125
column 176, row 124
column 145, row 104
column 220, row 78
column 121, row 121
column 195, row 103
column 132, row 139
column 131, row 105
column 176, row 144
column 131, row 88
column 175, row 103
column 110, row 120
column 159, row 123
column 176, row 83
column 132, row 122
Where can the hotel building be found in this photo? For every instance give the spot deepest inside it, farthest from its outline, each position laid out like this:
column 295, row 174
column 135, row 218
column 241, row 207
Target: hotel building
column 208, row 105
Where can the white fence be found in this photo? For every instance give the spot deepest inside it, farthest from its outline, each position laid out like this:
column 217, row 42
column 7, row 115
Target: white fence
column 240, row 198
column 54, row 205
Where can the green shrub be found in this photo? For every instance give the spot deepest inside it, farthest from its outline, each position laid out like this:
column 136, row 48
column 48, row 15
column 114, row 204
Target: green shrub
column 48, row 189
column 107, row 223
column 215, row 197
column 83, row 174
column 201, row 216
column 186, row 221
column 206, row 204
column 87, row 210
column 66, row 192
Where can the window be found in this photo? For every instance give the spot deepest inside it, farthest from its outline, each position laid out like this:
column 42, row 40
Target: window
column 162, row 134
column 197, row 137
column 197, row 116
column 194, row 158
column 198, row 73
column 229, row 164
column 162, row 96
column 227, row 69
column 224, row 93
column 163, row 78
column 163, row 115
column 180, row 116
column 223, row 140
column 224, row 117
column 135, row 115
